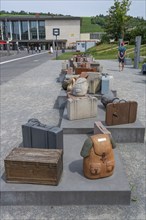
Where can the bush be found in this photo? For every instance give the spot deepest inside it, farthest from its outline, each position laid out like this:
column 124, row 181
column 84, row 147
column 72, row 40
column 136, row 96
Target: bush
column 105, row 39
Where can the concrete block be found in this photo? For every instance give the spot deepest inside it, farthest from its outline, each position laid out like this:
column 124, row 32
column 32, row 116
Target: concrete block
column 126, row 133
column 62, row 76
column 94, row 82
column 62, row 99
column 97, row 65
column 81, row 107
column 128, row 61
column 73, row 188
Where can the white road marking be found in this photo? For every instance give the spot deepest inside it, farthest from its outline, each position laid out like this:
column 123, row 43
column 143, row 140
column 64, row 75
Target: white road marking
column 8, row 61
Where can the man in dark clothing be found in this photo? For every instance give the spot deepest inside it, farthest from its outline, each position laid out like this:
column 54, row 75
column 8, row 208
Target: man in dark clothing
column 121, row 56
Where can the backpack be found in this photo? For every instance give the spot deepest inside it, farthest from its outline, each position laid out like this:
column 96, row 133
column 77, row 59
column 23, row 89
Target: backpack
column 98, row 157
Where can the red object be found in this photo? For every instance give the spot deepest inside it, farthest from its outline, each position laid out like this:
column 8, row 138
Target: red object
column 3, row 42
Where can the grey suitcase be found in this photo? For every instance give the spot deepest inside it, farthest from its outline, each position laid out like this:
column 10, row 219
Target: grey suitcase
column 105, row 84
column 38, row 135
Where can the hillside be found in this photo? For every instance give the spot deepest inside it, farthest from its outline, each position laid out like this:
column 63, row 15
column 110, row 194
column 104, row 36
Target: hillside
column 87, row 27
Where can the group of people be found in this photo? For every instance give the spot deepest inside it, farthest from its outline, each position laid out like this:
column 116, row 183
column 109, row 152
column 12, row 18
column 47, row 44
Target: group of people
column 36, row 49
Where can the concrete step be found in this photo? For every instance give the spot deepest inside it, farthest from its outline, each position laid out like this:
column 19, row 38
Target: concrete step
column 125, row 133
column 74, row 188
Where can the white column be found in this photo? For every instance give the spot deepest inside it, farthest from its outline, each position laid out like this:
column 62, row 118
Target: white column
column 19, row 30
column 37, row 24
column 11, row 29
column 2, row 31
column 28, row 30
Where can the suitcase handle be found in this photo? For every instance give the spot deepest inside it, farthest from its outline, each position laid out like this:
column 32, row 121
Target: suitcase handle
column 115, row 100
column 122, row 100
column 35, row 121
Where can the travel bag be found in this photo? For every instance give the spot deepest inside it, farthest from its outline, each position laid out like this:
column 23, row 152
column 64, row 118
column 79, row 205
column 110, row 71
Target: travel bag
column 98, row 157
column 38, row 135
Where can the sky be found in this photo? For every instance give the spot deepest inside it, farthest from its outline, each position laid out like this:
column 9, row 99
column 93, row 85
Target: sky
column 79, row 8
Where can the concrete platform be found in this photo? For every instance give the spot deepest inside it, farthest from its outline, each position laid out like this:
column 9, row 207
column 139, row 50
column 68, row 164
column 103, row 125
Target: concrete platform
column 125, row 133
column 74, row 188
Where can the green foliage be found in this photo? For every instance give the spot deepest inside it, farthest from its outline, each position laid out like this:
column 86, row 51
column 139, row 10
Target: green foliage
column 106, row 51
column 99, row 19
column 14, row 13
column 88, row 27
column 117, row 19
column 139, row 29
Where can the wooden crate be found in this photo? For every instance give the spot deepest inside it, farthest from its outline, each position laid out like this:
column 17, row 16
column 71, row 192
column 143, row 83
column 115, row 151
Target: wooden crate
column 33, row 165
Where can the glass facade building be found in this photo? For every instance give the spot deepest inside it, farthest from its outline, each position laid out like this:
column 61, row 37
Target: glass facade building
column 22, row 30
column 33, row 30
column 41, row 28
column 15, row 30
column 36, row 31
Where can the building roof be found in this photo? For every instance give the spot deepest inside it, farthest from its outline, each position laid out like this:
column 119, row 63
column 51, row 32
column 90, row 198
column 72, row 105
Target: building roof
column 37, row 17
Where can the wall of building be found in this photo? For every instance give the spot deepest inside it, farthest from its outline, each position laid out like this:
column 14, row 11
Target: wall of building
column 69, row 30
column 85, row 36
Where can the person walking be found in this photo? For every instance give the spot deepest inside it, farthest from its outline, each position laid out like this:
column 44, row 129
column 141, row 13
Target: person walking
column 121, row 56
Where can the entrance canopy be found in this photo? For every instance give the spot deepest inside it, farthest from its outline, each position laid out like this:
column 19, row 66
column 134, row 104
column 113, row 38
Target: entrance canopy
column 3, row 42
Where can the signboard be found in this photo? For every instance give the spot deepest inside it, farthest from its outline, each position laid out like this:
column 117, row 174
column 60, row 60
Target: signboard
column 56, row 31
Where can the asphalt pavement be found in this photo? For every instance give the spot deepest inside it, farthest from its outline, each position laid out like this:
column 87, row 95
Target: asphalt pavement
column 33, row 94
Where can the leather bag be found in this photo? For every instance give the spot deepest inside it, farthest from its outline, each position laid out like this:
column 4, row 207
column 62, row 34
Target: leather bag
column 122, row 112
column 98, row 157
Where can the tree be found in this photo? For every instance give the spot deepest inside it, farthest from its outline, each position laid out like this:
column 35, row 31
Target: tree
column 117, row 19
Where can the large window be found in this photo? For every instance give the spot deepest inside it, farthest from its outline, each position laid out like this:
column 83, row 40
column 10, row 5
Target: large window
column 24, row 30
column 6, row 30
column 15, row 30
column 33, row 30
column 1, row 30
column 41, row 25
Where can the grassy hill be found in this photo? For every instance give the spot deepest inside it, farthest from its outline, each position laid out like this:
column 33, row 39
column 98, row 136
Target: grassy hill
column 87, row 27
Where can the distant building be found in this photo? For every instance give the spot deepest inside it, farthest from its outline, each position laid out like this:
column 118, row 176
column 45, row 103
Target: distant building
column 82, row 46
column 24, row 31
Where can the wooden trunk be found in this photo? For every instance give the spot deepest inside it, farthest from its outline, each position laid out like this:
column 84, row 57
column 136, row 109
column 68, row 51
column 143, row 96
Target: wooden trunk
column 30, row 165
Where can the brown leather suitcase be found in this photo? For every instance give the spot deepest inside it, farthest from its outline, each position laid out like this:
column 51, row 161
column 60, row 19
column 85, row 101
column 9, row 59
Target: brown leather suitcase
column 121, row 113
column 79, row 70
column 33, row 165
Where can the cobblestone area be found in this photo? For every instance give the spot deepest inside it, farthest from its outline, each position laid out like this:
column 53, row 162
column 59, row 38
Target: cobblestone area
column 33, row 94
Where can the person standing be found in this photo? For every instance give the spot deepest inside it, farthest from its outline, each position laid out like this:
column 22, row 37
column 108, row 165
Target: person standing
column 28, row 49
column 51, row 49
column 39, row 49
column 121, row 56
column 36, row 49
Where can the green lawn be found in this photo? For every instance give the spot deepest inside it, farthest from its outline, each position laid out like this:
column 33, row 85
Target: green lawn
column 106, row 52
column 87, row 27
